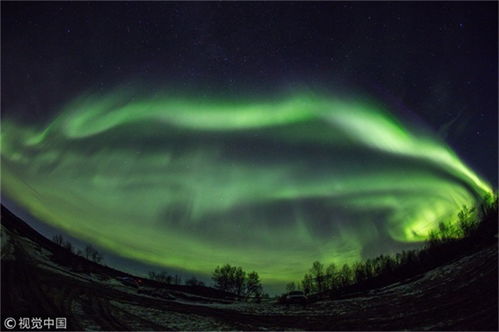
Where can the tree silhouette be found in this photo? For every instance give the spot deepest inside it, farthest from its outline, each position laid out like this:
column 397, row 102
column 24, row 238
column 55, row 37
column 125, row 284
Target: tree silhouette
column 58, row 239
column 92, row 254
column 238, row 281
column 330, row 278
column 317, row 273
column 254, row 286
column 445, row 242
column 222, row 277
column 308, row 284
column 234, row 279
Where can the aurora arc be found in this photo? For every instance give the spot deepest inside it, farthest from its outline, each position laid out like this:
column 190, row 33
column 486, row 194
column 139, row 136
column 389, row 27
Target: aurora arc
column 268, row 185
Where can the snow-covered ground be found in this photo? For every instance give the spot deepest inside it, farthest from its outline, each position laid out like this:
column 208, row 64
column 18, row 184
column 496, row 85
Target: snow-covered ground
column 174, row 320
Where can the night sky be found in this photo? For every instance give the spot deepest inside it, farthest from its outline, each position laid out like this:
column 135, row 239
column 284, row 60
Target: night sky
column 261, row 134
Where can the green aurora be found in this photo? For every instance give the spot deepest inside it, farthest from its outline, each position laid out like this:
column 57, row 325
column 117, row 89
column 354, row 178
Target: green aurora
column 271, row 185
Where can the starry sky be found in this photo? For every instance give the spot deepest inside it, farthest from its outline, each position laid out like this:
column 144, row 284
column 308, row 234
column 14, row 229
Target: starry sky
column 248, row 132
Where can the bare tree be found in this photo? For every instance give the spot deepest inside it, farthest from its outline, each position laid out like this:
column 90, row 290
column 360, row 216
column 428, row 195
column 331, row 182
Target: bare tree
column 68, row 245
column 254, row 286
column 317, row 272
column 331, row 276
column 308, row 284
column 177, row 280
column 92, row 254
column 58, row 239
column 230, row 279
column 222, row 276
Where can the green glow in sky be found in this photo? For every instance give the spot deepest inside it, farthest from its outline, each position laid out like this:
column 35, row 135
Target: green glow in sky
column 268, row 185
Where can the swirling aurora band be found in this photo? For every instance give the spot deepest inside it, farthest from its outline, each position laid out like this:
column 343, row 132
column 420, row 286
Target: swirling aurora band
column 268, row 185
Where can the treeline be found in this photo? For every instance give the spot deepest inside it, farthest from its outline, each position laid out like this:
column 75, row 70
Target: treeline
column 473, row 230
column 231, row 279
column 235, row 280
column 174, row 279
column 88, row 252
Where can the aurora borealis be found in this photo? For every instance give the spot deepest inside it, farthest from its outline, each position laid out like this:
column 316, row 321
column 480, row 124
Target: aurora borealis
column 181, row 135
column 267, row 184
